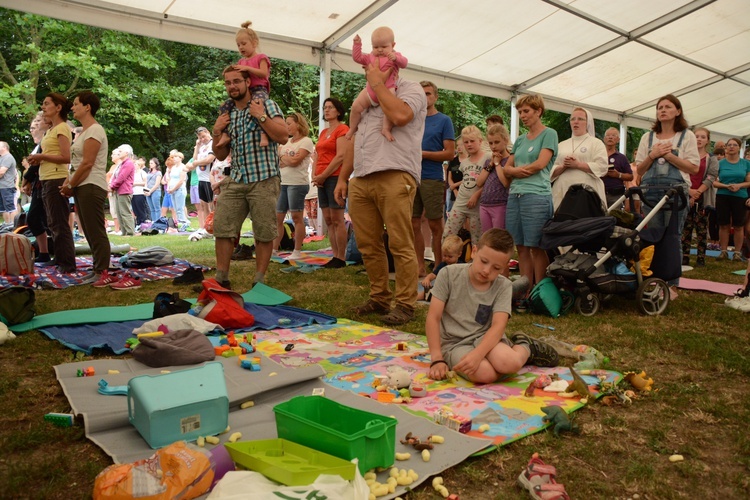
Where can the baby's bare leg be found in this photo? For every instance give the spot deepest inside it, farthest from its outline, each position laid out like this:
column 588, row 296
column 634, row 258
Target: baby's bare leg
column 387, row 124
column 360, row 104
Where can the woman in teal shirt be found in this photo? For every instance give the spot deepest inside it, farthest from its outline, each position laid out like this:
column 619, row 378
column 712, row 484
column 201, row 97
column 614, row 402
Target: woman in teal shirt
column 731, row 193
column 530, row 197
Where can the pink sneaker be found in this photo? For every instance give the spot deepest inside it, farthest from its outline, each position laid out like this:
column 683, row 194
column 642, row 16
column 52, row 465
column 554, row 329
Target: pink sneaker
column 106, row 279
column 127, row 282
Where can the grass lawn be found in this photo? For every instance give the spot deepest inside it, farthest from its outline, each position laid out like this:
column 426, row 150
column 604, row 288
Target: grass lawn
column 698, row 354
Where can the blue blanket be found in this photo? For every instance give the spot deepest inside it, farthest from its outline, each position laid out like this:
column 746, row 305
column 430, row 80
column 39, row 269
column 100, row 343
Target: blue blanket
column 112, row 336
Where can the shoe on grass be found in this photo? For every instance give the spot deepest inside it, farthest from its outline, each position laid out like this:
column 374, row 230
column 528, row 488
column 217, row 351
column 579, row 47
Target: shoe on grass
column 89, row 278
column 399, row 315
column 723, row 255
column 541, row 354
column 296, row 255
column 106, row 279
column 334, row 263
column 370, row 307
column 190, row 276
column 127, row 282
column 243, row 252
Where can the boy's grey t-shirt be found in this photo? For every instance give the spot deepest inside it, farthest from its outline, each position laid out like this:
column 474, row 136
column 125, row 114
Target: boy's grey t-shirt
column 468, row 311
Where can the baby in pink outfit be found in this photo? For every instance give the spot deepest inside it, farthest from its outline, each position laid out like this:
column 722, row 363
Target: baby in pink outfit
column 387, row 58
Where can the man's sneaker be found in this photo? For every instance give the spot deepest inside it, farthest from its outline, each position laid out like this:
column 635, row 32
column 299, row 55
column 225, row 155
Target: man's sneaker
column 190, row 276
column 541, row 354
column 296, row 255
column 106, row 279
column 89, row 278
column 127, row 282
column 243, row 252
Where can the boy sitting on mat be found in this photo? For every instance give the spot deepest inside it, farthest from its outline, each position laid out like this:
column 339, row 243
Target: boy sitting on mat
column 470, row 308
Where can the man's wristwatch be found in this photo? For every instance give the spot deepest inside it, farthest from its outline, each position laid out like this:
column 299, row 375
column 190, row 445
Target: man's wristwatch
column 263, row 118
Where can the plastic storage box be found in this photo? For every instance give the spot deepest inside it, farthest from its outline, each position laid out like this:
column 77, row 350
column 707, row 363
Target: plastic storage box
column 179, row 405
column 287, row 462
column 339, row 430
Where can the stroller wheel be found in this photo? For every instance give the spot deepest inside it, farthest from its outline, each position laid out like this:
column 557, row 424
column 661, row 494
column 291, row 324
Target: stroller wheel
column 588, row 304
column 652, row 296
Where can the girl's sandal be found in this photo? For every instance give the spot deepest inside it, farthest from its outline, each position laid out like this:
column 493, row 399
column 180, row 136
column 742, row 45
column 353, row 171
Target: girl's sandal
column 550, row 491
column 536, row 473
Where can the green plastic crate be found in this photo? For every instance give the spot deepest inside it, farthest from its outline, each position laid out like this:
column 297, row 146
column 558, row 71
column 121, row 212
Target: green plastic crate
column 287, row 462
column 339, row 430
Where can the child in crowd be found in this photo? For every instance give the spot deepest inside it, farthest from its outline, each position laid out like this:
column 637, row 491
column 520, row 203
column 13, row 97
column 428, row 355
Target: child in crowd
column 470, row 308
column 492, row 180
column 258, row 66
column 382, row 52
column 451, row 247
column 466, row 205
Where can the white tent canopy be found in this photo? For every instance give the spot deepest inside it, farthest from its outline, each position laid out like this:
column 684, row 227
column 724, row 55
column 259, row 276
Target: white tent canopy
column 615, row 57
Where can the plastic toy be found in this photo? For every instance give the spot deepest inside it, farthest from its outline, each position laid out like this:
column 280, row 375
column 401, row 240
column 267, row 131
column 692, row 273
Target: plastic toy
column 399, row 379
column 5, row 334
column 60, row 419
column 247, row 348
column 445, row 416
column 639, row 381
column 86, row 372
column 540, row 382
column 560, row 420
column 417, row 391
column 590, row 358
column 112, row 390
column 578, row 386
column 250, row 364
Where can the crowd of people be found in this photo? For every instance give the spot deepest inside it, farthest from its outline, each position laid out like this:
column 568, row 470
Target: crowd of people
column 398, row 171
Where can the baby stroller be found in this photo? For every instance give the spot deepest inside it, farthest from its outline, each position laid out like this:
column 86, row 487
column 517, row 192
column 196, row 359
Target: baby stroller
column 595, row 265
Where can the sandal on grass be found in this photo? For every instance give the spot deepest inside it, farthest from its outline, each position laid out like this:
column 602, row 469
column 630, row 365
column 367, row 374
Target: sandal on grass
column 398, row 316
column 370, row 307
column 550, row 491
column 536, row 473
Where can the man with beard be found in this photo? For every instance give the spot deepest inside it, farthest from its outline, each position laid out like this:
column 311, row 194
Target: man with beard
column 253, row 183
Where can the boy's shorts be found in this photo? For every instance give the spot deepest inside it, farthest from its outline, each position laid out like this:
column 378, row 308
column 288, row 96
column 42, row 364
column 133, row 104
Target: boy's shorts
column 455, row 353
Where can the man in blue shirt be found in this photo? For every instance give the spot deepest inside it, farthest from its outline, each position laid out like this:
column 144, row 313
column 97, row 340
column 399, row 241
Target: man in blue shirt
column 438, row 146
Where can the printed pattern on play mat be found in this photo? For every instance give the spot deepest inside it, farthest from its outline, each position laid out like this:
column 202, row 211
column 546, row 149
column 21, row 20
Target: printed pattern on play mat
column 352, row 354
column 48, row 277
column 309, row 258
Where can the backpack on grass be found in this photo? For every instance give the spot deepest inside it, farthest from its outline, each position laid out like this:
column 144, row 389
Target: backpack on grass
column 148, row 257
column 17, row 305
column 16, row 255
column 287, row 237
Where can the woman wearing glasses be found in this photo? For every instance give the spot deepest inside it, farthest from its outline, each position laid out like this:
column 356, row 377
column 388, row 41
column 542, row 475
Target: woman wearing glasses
column 582, row 159
column 731, row 195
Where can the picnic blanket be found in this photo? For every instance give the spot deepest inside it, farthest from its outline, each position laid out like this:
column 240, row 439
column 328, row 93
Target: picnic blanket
column 315, row 258
column 260, row 294
column 49, row 277
column 353, row 354
column 112, row 336
column 709, row 286
column 106, row 417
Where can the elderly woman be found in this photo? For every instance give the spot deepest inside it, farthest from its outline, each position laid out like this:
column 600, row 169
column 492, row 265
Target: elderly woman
column 530, row 198
column 731, row 197
column 294, row 164
column 667, row 157
column 331, row 147
column 582, row 160
column 53, row 173
column 121, row 185
column 88, row 184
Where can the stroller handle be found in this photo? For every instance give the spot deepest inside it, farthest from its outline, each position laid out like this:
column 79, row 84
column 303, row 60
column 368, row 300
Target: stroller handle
column 679, row 191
